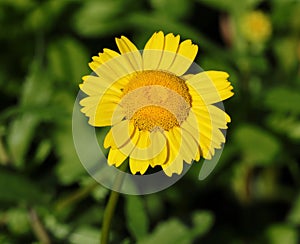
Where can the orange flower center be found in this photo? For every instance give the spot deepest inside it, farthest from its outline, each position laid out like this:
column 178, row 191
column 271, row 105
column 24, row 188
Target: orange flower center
column 156, row 100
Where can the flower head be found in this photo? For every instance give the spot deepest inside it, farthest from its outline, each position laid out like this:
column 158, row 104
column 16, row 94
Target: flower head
column 256, row 27
column 160, row 115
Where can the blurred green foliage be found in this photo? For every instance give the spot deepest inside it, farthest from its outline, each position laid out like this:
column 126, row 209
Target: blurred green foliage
column 253, row 196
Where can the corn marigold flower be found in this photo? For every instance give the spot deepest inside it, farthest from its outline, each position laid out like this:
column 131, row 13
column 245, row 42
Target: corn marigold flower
column 256, row 26
column 159, row 113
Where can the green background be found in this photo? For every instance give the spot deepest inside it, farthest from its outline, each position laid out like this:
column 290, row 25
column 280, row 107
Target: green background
column 253, row 195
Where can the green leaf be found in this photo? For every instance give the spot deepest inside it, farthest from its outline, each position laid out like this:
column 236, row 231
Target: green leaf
column 17, row 188
column 4, row 239
column 85, row 235
column 173, row 9
column 294, row 215
column 68, row 60
column 136, row 218
column 231, row 6
column 257, row 146
column 69, row 169
column 285, row 52
column 38, row 18
column 18, row 221
column 282, row 233
column 283, row 99
column 155, row 207
column 285, row 124
column 35, row 95
column 171, row 231
column 98, row 17
column 203, row 221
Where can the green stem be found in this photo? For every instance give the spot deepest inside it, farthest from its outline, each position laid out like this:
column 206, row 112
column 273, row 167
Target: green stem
column 111, row 206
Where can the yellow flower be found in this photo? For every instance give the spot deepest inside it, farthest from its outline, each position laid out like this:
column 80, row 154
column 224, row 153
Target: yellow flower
column 256, row 27
column 160, row 115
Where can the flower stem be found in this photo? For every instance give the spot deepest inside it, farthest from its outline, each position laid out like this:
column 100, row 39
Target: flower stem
column 111, row 206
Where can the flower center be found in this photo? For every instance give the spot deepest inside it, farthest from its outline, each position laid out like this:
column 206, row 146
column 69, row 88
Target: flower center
column 156, row 100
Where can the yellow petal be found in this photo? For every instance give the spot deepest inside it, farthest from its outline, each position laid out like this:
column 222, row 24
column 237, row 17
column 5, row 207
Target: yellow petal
column 175, row 167
column 102, row 105
column 99, row 63
column 116, row 157
column 153, row 50
column 117, row 64
column 122, row 133
column 156, row 147
column 136, row 165
column 127, row 149
column 132, row 54
column 161, row 158
column 111, row 66
column 171, row 44
column 189, row 147
column 175, row 139
column 140, row 152
column 94, row 85
column 203, row 128
column 218, row 117
column 175, row 160
column 209, row 87
column 185, row 56
column 109, row 141
column 192, row 126
column 101, row 114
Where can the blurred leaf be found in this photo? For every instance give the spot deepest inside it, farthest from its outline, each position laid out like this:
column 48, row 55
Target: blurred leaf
column 282, row 233
column 155, row 206
column 136, row 217
column 35, row 94
column 59, row 230
column 238, row 181
column 173, row 231
column 285, row 124
column 231, row 6
column 68, row 60
column 18, row 221
column 69, row 169
column 153, row 22
column 4, row 239
column 38, row 18
column 98, row 17
column 173, row 8
column 85, row 235
column 42, row 151
column 294, row 215
column 170, row 231
column 227, row 5
column 285, row 49
column 265, row 185
column 203, row 221
column 283, row 99
column 257, row 146
column 285, row 13
column 17, row 188
column 18, row 4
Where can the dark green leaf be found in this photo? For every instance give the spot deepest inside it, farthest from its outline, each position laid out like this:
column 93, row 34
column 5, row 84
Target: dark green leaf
column 137, row 220
column 17, row 188
column 283, row 99
column 257, row 146
column 282, row 233
column 68, row 60
column 36, row 93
